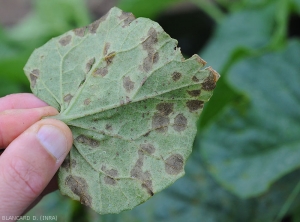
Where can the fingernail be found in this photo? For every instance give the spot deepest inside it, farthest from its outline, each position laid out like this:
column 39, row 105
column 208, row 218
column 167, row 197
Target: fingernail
column 53, row 140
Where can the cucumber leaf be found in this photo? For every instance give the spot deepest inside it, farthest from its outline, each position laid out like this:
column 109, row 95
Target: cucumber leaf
column 131, row 101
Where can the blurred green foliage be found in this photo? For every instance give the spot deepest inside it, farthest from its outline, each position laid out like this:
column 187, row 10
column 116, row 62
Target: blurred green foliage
column 245, row 164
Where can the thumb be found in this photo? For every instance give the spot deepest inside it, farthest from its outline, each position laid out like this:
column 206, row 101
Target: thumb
column 29, row 163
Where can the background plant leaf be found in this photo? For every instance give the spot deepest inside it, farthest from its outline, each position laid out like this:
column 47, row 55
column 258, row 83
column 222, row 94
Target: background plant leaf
column 264, row 134
column 148, row 9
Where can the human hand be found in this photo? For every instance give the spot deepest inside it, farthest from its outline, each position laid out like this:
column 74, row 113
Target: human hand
column 34, row 150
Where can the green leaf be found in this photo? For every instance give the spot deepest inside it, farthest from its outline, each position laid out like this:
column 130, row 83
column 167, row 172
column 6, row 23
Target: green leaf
column 131, row 101
column 231, row 36
column 49, row 18
column 237, row 42
column 250, row 146
column 297, row 5
column 148, row 9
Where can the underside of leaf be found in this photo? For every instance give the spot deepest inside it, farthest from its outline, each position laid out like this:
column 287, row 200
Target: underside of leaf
column 131, row 101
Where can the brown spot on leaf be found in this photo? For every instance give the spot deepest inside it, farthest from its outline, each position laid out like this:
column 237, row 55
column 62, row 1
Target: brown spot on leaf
column 81, row 83
column 128, row 100
column 68, row 98
column 87, row 141
column 176, row 76
column 65, row 40
column 143, row 80
column 106, row 47
column 127, row 18
column 174, row 164
column 73, row 163
column 34, row 75
column 95, row 25
column 146, row 134
column 165, row 108
column 147, row 63
column 128, row 84
column 150, row 40
column 194, row 105
column 200, row 60
column 100, row 72
column 148, row 187
column 210, row 82
column 194, row 93
column 137, row 172
column 155, row 57
column 109, row 58
column 79, row 31
column 110, row 181
column 160, row 123
column 87, row 101
column 148, row 44
column 108, row 127
column 195, row 79
column 147, row 147
column 89, row 64
column 180, row 123
column 79, row 187
column 66, row 164
column 111, row 172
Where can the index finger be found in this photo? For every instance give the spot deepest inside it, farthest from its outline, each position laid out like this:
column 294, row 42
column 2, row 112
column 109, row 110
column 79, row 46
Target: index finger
column 20, row 101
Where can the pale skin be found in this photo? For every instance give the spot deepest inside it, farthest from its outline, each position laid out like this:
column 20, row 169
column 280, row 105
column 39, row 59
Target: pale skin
column 34, row 149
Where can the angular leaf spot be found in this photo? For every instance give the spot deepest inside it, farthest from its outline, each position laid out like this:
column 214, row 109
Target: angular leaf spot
column 79, row 187
column 111, row 172
column 109, row 58
column 87, row 141
column 145, row 177
column 148, row 45
column 174, row 164
column 34, row 75
column 95, row 25
column 156, row 57
column 194, row 105
column 147, row 147
column 176, row 76
column 127, row 18
column 194, row 93
column 160, row 123
column 200, row 60
column 180, row 123
column 65, row 40
column 165, row 108
column 128, row 84
column 106, row 47
column 195, row 79
column 67, row 164
column 68, row 98
column 110, row 181
column 89, row 65
column 79, row 31
column 210, row 82
column 87, row 101
column 100, row 72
